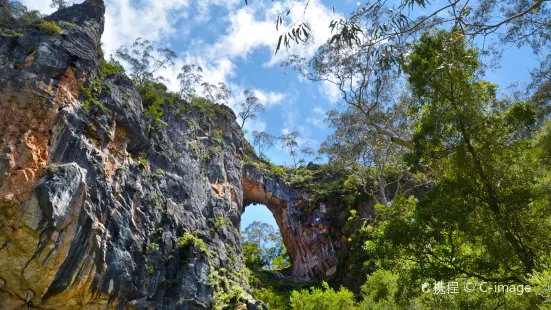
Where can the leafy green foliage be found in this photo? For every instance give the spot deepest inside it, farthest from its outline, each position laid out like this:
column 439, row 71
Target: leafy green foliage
column 325, row 298
column 154, row 96
column 220, row 222
column 262, row 246
column 96, row 86
column 204, row 107
column 252, row 253
column 91, row 93
column 188, row 242
column 111, row 67
column 276, row 294
column 486, row 215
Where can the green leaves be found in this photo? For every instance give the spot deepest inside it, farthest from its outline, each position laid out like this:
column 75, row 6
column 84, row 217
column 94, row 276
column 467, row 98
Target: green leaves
column 299, row 34
column 346, row 32
column 476, row 149
column 324, row 298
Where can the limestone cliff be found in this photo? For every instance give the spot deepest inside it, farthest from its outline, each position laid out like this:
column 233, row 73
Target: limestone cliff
column 100, row 209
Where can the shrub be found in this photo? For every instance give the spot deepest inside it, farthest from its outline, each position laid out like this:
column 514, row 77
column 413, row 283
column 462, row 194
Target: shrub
column 50, row 27
column 154, row 96
column 189, row 241
column 381, row 285
column 142, row 162
column 324, row 298
column 220, row 222
column 274, row 293
column 111, row 67
column 204, row 107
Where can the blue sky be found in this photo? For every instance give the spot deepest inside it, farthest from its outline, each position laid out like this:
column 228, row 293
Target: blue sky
column 235, row 44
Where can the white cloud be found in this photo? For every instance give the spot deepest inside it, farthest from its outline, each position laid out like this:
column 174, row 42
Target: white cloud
column 151, row 19
column 319, row 110
column 250, row 30
column 266, row 97
column 330, row 91
column 204, row 14
column 269, row 98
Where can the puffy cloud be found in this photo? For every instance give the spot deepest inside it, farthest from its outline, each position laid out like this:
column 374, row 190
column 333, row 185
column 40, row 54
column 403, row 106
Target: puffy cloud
column 126, row 20
column 269, row 98
column 250, row 30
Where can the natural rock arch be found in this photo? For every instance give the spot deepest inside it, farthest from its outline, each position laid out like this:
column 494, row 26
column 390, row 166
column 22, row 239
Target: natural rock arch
column 313, row 256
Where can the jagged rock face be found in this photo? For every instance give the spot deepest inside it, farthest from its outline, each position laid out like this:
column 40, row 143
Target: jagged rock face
column 93, row 201
column 314, row 254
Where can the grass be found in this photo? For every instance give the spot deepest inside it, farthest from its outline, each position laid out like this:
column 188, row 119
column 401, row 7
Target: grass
column 50, row 27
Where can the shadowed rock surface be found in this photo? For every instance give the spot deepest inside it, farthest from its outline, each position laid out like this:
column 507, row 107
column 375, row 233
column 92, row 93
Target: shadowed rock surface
column 94, row 202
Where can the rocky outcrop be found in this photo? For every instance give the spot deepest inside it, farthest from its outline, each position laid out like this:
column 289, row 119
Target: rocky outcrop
column 100, row 209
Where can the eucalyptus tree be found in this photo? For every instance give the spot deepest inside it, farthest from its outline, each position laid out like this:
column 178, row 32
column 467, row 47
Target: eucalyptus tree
column 146, row 59
column 219, row 94
column 374, row 22
column 487, row 215
column 290, row 144
column 540, row 89
column 250, row 108
column 378, row 165
column 263, row 141
column 262, row 244
column 355, row 73
column 369, row 47
column 190, row 77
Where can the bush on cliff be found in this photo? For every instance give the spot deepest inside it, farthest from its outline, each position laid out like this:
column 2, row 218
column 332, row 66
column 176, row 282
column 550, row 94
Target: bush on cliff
column 50, row 27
